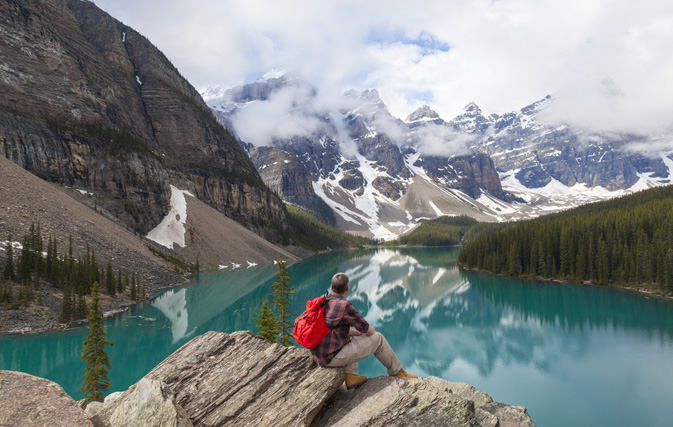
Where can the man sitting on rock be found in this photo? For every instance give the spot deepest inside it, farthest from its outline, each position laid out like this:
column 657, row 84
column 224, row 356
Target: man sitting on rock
column 344, row 346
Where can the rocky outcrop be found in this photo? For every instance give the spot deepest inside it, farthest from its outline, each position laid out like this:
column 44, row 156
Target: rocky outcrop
column 432, row 401
column 89, row 102
column 147, row 403
column 242, row 379
column 26, row 400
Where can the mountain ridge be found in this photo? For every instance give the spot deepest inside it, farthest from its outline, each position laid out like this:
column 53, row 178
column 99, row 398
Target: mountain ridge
column 505, row 167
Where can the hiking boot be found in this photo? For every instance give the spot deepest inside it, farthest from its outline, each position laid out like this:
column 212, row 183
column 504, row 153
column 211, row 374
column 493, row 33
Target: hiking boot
column 353, row 380
column 404, row 374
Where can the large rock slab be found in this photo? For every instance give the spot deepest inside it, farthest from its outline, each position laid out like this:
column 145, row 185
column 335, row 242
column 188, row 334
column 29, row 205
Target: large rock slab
column 147, row 403
column 241, row 379
column 418, row 402
column 26, row 400
column 487, row 412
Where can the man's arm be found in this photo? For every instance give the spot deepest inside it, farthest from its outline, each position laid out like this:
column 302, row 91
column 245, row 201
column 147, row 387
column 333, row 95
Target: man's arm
column 355, row 320
column 355, row 333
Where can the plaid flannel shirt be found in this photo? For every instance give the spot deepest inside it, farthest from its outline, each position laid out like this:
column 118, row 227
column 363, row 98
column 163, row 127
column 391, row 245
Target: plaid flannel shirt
column 340, row 315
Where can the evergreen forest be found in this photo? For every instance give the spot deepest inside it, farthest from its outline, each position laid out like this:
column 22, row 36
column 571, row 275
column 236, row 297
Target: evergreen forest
column 624, row 241
column 74, row 277
column 313, row 234
column 442, row 231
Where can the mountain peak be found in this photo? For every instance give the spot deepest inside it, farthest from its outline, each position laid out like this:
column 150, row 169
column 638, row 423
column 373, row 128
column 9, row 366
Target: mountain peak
column 370, row 96
column 423, row 113
column 472, row 109
column 274, row 73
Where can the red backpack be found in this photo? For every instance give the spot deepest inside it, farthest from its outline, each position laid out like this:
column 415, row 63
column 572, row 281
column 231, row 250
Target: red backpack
column 309, row 328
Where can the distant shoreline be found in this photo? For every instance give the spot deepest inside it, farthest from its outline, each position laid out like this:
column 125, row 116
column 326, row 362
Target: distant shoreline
column 630, row 288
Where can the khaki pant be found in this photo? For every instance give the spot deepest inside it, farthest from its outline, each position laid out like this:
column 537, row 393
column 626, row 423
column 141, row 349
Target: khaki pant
column 362, row 347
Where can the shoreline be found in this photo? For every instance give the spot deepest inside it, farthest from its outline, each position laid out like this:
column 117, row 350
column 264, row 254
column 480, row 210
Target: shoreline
column 34, row 322
column 629, row 288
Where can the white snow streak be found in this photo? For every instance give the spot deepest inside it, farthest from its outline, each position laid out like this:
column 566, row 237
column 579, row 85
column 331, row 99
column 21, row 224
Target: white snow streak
column 172, row 229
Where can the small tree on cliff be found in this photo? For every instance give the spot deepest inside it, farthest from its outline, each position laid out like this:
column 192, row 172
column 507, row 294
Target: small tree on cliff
column 282, row 291
column 267, row 323
column 93, row 354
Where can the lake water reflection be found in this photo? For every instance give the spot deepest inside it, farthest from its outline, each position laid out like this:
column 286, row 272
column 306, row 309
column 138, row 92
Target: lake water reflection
column 573, row 355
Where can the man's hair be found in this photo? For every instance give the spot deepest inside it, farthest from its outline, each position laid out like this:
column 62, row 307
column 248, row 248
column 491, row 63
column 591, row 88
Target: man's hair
column 339, row 283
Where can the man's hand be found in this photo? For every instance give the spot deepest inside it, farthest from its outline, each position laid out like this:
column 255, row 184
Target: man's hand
column 354, row 332
column 371, row 330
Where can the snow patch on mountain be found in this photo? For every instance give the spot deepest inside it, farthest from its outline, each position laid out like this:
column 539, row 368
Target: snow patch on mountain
column 171, row 230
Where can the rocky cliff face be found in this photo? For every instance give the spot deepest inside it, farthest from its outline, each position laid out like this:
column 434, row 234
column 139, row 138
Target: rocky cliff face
column 89, row 102
column 288, row 177
column 469, row 173
column 241, row 379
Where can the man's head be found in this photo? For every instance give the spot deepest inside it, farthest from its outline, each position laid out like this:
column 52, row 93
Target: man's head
column 339, row 283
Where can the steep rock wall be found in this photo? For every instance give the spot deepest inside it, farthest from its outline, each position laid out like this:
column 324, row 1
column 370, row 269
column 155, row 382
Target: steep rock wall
column 88, row 102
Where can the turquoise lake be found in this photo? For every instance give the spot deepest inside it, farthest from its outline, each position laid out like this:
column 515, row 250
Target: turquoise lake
column 573, row 355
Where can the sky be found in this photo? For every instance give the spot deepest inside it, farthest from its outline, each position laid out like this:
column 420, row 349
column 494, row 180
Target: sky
column 608, row 63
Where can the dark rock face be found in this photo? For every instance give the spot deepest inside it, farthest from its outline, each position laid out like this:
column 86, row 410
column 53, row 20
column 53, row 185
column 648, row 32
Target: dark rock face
column 283, row 173
column 88, row 102
column 242, row 379
column 468, row 173
column 27, row 400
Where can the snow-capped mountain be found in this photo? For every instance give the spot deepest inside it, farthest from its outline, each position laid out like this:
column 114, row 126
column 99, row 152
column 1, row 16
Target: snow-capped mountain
column 381, row 175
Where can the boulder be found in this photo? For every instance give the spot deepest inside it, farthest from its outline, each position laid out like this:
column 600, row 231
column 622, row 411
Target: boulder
column 487, row 412
column 147, row 403
column 423, row 402
column 241, row 379
column 26, row 400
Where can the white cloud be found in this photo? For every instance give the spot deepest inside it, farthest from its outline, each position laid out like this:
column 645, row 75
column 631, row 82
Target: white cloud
column 286, row 114
column 500, row 54
column 434, row 140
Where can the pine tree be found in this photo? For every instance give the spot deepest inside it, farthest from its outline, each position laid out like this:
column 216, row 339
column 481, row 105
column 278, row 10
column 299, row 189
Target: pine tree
column 66, row 305
column 282, row 291
column 8, row 272
column 55, row 265
column 97, row 362
column 37, row 247
column 134, row 292
column 120, row 282
column 81, row 306
column 110, row 279
column 267, row 323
